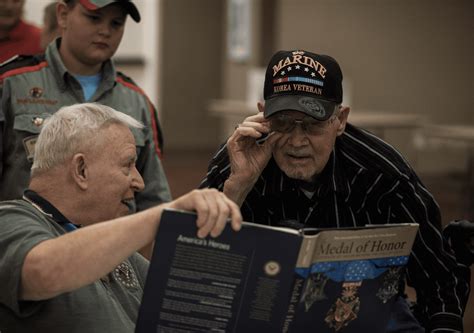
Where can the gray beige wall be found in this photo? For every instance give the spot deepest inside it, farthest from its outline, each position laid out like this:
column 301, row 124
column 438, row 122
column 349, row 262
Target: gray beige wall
column 409, row 56
column 190, row 71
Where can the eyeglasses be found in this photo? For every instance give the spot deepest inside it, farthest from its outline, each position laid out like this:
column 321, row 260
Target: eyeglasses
column 284, row 123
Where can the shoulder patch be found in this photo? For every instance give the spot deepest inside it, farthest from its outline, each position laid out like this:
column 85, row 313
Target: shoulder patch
column 129, row 83
column 125, row 78
column 20, row 61
column 157, row 136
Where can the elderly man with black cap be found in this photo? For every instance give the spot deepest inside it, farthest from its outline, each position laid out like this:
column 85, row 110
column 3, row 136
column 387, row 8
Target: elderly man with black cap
column 76, row 68
column 299, row 163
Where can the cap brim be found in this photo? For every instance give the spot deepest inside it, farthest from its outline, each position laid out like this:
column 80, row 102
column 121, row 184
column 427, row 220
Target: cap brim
column 319, row 109
column 129, row 7
column 131, row 10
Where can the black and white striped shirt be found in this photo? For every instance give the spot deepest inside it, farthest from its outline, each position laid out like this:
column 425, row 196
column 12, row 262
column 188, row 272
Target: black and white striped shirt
column 366, row 181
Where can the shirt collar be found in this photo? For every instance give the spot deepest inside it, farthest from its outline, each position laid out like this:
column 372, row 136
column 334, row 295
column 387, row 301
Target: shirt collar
column 330, row 180
column 62, row 74
column 57, row 66
column 336, row 174
column 45, row 207
column 278, row 183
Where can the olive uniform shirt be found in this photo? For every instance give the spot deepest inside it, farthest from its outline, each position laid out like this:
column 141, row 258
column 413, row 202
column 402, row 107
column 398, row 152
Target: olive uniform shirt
column 108, row 305
column 33, row 88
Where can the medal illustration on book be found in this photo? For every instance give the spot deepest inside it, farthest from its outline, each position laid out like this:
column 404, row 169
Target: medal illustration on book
column 390, row 284
column 346, row 307
column 314, row 290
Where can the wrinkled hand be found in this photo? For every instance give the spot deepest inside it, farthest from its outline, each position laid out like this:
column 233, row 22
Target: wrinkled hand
column 213, row 209
column 247, row 157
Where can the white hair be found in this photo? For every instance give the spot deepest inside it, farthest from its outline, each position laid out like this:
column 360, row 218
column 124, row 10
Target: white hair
column 71, row 129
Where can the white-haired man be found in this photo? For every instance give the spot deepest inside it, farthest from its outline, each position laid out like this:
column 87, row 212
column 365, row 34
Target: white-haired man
column 68, row 247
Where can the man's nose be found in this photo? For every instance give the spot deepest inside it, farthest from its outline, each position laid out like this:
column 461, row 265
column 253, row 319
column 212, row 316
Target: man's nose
column 297, row 136
column 105, row 28
column 137, row 181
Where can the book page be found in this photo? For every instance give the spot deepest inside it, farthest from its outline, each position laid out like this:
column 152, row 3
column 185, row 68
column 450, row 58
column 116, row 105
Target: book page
column 238, row 281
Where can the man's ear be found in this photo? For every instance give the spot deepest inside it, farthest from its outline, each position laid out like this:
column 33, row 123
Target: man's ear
column 261, row 107
column 62, row 10
column 80, row 171
column 342, row 116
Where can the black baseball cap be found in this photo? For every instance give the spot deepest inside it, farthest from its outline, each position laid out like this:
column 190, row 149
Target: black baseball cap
column 302, row 81
column 128, row 5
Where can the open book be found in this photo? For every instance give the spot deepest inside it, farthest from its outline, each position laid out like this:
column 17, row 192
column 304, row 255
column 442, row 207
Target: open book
column 269, row 279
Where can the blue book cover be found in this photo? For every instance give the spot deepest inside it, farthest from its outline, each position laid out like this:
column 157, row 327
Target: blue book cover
column 347, row 280
column 271, row 279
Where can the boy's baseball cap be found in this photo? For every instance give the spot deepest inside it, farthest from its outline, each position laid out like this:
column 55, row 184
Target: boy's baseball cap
column 128, row 5
column 302, row 81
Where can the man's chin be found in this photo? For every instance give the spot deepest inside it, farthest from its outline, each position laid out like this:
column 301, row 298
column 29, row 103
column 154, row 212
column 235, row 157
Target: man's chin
column 299, row 175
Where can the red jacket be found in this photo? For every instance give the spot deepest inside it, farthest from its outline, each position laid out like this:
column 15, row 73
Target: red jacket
column 23, row 39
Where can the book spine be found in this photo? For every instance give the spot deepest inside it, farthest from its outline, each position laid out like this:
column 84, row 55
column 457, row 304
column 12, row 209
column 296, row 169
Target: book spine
column 293, row 304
